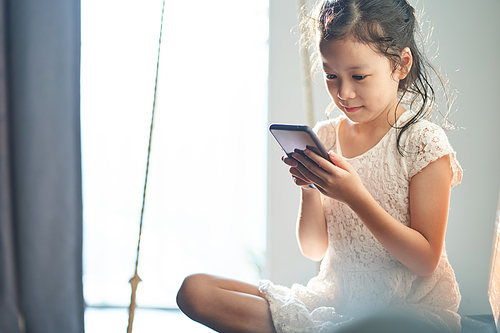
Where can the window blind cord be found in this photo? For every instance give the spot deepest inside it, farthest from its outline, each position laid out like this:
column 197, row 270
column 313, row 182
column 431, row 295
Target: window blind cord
column 134, row 281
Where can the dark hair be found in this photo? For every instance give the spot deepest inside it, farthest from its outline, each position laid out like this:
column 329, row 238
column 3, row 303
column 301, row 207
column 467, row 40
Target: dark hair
column 388, row 26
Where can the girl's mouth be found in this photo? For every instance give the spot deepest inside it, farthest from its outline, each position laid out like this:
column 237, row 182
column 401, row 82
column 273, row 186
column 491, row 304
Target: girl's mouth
column 350, row 110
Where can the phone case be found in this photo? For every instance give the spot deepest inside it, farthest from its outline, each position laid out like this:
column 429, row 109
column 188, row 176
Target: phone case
column 297, row 137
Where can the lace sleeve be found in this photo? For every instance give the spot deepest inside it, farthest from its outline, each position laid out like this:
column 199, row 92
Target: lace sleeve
column 429, row 143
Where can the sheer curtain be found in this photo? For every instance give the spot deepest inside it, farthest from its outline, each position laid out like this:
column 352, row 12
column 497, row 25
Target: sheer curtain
column 40, row 177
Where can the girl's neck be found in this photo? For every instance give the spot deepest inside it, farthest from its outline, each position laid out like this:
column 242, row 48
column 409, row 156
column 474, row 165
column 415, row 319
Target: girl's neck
column 357, row 138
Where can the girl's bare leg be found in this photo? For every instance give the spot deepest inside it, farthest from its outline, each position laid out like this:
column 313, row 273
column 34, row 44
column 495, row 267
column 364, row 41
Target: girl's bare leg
column 225, row 305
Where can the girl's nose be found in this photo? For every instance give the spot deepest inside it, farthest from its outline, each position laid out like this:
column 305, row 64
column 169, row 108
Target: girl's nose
column 345, row 92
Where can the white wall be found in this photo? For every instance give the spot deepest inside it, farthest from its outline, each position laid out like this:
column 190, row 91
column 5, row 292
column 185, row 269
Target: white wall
column 284, row 261
column 469, row 42
column 467, row 34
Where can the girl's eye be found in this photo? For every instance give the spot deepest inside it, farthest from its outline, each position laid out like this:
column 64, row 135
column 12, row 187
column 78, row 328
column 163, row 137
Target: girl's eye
column 331, row 76
column 358, row 77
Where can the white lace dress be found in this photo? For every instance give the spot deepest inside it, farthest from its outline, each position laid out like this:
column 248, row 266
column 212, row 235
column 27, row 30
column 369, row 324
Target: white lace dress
column 358, row 274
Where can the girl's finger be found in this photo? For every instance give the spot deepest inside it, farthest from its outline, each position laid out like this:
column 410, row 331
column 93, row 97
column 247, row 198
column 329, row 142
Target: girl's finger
column 313, row 162
column 319, row 160
column 289, row 161
column 298, row 174
column 298, row 177
column 300, row 182
column 308, row 168
column 338, row 160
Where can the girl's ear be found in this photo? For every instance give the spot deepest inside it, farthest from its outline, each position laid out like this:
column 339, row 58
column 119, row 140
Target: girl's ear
column 405, row 64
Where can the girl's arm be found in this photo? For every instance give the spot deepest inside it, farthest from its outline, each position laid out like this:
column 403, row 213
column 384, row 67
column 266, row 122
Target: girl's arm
column 312, row 234
column 418, row 247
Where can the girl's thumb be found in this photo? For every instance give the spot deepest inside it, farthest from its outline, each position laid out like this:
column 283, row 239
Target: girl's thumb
column 336, row 159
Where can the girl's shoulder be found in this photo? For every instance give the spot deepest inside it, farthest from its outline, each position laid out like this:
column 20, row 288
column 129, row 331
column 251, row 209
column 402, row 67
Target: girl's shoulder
column 422, row 132
column 424, row 142
column 327, row 128
column 327, row 131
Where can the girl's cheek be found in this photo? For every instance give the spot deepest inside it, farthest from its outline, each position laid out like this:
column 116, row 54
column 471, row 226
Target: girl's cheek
column 337, row 103
column 332, row 89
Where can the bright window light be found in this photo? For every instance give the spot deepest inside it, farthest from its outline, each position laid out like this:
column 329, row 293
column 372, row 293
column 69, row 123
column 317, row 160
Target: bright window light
column 206, row 200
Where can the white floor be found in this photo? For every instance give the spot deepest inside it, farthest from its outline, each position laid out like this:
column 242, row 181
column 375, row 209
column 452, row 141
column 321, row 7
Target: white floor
column 145, row 321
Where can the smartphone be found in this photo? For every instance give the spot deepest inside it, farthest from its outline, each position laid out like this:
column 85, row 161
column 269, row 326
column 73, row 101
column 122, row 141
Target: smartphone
column 296, row 138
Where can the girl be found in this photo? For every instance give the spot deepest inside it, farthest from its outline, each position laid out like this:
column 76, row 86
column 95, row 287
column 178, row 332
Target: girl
column 377, row 216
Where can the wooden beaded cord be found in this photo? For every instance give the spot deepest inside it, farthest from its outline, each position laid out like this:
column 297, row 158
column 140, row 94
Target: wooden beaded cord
column 134, row 281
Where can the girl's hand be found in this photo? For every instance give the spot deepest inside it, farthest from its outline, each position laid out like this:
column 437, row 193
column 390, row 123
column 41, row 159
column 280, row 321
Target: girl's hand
column 298, row 178
column 338, row 180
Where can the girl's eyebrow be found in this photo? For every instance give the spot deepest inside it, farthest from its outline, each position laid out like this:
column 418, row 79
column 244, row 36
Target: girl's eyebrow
column 356, row 67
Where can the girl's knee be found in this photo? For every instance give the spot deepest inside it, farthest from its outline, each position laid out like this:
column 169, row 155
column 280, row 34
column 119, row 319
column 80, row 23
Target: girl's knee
column 192, row 293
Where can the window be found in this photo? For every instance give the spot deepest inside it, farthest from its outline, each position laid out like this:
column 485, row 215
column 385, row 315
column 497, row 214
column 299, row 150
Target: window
column 205, row 206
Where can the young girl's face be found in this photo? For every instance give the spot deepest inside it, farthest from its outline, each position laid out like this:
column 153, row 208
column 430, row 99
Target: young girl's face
column 359, row 80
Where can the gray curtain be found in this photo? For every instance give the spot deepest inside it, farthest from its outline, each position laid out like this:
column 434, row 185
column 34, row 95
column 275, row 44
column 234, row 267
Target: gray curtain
column 40, row 169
